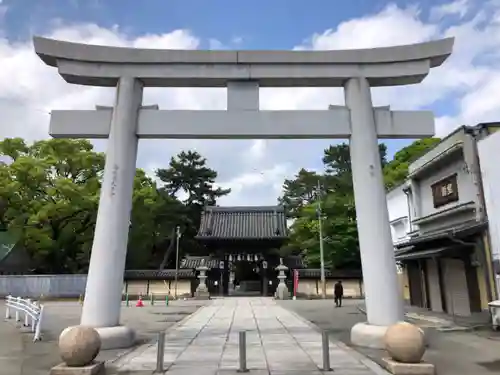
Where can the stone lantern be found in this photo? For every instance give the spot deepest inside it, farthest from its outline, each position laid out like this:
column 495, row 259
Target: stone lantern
column 282, row 290
column 202, row 290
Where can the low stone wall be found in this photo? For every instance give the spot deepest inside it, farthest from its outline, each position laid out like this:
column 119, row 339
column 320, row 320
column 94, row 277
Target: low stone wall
column 311, row 288
column 159, row 288
column 73, row 286
column 50, row 286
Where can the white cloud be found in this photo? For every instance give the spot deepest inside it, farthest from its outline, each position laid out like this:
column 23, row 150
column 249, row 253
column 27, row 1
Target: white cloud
column 456, row 8
column 461, row 91
column 392, row 26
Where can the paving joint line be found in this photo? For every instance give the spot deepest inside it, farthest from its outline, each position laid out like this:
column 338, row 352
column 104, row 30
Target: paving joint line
column 370, row 364
column 227, row 337
column 142, row 348
column 191, row 341
column 260, row 337
column 295, row 339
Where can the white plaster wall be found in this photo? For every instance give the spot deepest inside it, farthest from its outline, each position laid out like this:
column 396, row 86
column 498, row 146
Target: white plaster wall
column 352, row 288
column 466, row 188
column 490, row 171
column 397, row 206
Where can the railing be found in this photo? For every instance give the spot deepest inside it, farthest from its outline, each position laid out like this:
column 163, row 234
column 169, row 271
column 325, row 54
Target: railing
column 32, row 313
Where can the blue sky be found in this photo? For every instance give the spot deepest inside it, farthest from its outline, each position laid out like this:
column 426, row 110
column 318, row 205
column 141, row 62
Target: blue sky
column 452, row 92
column 263, row 24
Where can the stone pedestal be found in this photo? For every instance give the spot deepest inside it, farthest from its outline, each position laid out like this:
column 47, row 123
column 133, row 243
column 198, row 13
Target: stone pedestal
column 399, row 368
column 95, row 368
column 202, row 290
column 282, row 290
column 405, row 344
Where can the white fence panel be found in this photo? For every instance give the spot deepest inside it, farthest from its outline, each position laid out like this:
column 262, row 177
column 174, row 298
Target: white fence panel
column 32, row 313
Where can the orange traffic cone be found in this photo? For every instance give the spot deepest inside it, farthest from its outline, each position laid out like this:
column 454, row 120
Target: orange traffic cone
column 139, row 302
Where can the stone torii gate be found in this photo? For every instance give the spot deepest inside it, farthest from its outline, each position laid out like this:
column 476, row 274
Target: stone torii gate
column 242, row 73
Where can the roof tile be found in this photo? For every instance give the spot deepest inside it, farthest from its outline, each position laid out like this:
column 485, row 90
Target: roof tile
column 250, row 222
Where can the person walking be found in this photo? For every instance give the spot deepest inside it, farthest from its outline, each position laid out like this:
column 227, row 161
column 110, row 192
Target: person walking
column 338, row 293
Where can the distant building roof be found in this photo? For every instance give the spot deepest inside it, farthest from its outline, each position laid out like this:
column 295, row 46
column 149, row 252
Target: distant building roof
column 158, row 275
column 250, row 222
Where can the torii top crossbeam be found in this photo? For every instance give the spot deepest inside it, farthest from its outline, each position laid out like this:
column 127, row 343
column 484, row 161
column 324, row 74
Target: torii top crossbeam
column 102, row 66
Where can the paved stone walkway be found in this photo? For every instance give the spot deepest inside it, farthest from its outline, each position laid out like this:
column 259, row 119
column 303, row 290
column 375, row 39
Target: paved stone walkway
column 278, row 343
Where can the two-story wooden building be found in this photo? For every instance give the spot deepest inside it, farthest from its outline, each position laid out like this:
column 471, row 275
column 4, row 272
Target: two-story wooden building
column 446, row 264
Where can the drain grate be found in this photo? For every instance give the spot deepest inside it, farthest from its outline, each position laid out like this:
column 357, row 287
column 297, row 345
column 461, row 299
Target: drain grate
column 493, row 366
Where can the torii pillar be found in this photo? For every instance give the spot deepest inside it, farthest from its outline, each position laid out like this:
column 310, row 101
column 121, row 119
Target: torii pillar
column 242, row 73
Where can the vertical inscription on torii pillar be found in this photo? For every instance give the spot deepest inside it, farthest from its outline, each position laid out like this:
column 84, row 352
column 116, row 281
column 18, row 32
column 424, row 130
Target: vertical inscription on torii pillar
column 114, row 180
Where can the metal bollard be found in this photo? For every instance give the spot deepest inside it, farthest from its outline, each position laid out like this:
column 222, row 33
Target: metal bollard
column 326, row 351
column 160, row 353
column 243, row 351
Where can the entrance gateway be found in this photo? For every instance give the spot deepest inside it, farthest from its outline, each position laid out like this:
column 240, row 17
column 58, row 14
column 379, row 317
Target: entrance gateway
column 243, row 73
column 243, row 241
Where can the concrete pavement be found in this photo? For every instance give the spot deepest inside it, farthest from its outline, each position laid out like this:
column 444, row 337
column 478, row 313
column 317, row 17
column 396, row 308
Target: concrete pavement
column 452, row 352
column 19, row 355
column 279, row 342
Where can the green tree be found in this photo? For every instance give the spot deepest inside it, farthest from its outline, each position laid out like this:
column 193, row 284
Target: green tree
column 337, row 161
column 299, row 191
column 189, row 174
column 154, row 218
column 49, row 193
column 396, row 171
column 338, row 206
column 339, row 234
column 338, row 212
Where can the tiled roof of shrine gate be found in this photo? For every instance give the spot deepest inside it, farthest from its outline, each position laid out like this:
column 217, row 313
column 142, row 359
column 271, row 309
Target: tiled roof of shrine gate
column 248, row 222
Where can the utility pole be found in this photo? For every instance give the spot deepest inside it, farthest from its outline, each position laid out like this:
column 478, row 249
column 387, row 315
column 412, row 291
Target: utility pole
column 177, row 237
column 321, row 248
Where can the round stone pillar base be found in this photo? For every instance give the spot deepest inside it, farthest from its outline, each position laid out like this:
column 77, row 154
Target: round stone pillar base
column 118, row 337
column 368, row 336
